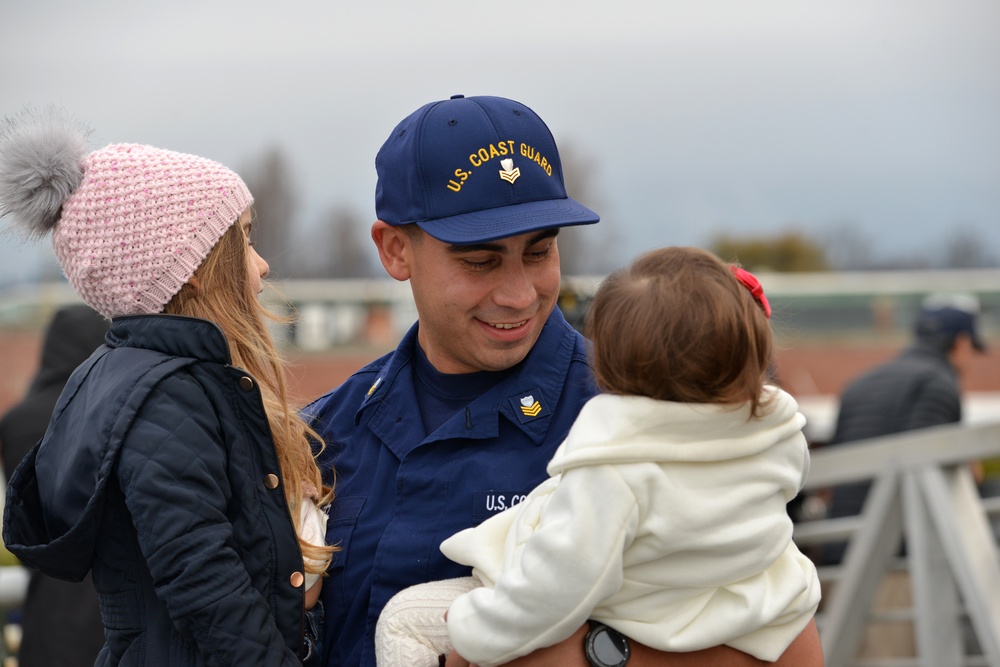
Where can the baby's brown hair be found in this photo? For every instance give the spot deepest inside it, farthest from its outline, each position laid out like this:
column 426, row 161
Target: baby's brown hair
column 676, row 325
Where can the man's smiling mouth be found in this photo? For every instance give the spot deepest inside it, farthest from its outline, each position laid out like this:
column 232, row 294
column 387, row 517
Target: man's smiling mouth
column 513, row 325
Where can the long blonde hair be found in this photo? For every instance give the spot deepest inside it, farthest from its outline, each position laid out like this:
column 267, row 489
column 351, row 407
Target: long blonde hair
column 221, row 293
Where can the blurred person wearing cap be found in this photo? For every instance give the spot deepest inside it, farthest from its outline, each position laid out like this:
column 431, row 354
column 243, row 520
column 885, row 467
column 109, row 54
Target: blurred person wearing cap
column 460, row 420
column 917, row 389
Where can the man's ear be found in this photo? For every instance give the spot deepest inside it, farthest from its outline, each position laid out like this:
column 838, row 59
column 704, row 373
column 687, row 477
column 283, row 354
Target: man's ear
column 394, row 246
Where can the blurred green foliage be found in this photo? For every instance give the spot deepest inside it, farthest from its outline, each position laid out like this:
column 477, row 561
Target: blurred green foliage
column 788, row 252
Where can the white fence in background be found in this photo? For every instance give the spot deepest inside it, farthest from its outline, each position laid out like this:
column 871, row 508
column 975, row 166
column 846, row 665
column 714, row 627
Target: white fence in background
column 347, row 311
column 923, row 492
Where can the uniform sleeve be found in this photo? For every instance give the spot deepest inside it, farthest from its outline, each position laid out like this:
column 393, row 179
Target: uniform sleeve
column 570, row 562
column 173, row 472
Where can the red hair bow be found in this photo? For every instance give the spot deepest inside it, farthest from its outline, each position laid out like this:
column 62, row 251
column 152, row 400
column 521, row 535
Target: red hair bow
column 750, row 281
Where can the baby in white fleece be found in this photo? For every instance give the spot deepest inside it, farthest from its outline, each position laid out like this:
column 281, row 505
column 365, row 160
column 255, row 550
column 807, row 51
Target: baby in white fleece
column 664, row 514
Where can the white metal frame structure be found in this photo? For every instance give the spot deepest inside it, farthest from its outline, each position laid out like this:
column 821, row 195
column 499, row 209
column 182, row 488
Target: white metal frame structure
column 923, row 491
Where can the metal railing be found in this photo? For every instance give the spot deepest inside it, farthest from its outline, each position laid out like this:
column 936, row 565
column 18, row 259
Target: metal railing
column 923, row 491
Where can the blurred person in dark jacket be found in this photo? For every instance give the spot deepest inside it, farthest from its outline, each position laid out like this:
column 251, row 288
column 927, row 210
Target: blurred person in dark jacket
column 917, row 389
column 61, row 620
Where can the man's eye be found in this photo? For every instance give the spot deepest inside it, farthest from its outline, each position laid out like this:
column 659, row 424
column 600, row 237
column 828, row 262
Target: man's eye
column 473, row 264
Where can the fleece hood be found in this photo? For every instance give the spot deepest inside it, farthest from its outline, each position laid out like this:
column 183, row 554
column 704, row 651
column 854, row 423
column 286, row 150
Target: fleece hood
column 623, row 429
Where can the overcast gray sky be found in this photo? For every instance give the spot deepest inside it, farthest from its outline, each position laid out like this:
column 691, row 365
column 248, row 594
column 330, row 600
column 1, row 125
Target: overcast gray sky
column 701, row 116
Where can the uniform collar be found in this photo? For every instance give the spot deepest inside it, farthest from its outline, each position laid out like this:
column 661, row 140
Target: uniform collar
column 526, row 398
column 175, row 335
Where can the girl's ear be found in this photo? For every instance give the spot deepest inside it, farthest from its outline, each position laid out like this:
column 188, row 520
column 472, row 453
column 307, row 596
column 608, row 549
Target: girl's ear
column 193, row 282
column 393, row 249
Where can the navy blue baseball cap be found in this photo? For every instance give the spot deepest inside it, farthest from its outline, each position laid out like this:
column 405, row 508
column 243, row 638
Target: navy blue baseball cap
column 945, row 316
column 474, row 169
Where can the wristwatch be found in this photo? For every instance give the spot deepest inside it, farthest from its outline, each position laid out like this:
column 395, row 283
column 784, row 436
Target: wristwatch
column 606, row 647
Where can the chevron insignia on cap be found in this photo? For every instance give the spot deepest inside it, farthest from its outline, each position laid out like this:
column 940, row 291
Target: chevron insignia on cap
column 509, row 172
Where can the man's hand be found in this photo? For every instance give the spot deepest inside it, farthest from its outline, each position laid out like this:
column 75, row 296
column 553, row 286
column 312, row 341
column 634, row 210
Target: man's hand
column 805, row 651
column 569, row 652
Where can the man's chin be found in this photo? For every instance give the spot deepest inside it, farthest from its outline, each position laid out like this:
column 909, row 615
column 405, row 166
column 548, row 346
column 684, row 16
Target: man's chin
column 508, row 356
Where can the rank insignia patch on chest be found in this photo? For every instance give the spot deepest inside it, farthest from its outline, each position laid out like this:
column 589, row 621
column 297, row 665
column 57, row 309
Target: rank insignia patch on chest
column 529, row 405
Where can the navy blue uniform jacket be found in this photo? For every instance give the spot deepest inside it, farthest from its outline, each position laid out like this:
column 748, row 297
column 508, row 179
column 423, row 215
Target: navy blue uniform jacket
column 401, row 492
column 153, row 474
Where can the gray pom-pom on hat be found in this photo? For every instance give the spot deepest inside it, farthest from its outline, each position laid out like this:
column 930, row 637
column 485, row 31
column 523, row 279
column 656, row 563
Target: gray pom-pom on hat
column 41, row 154
column 130, row 223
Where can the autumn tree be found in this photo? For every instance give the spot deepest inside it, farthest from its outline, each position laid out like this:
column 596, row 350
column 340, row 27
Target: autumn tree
column 275, row 202
column 848, row 247
column 338, row 247
column 965, row 248
column 584, row 249
column 787, row 252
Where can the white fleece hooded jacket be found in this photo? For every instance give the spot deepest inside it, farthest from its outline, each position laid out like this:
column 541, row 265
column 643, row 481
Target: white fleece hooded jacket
column 666, row 521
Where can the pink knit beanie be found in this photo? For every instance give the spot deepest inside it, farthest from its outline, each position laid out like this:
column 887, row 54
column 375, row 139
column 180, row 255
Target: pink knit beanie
column 130, row 223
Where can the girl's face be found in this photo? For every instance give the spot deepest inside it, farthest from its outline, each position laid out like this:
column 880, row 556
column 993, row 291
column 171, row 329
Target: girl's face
column 257, row 268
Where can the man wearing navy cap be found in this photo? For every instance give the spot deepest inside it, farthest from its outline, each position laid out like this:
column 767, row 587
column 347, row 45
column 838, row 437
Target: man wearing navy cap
column 459, row 422
column 917, row 389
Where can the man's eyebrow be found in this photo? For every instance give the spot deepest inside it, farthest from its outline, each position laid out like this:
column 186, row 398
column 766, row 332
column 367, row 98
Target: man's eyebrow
column 497, row 247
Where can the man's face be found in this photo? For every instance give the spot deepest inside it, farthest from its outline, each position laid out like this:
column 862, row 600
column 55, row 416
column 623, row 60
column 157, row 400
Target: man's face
column 482, row 307
column 962, row 354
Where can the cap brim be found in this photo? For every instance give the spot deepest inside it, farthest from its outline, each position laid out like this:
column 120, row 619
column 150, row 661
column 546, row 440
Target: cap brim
column 504, row 221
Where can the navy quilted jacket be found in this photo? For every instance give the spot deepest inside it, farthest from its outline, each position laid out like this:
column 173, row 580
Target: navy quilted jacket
column 156, row 473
